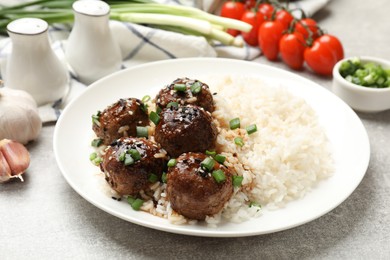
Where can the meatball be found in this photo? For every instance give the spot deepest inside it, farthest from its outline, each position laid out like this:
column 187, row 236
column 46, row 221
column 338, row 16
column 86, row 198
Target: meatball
column 120, row 119
column 194, row 92
column 192, row 190
column 185, row 129
column 129, row 162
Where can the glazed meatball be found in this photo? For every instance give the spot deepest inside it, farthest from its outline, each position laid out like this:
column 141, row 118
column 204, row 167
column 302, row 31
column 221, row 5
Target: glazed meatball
column 120, row 120
column 192, row 190
column 193, row 92
column 128, row 163
column 185, row 129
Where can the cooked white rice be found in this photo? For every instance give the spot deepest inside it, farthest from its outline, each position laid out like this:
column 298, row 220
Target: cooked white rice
column 281, row 162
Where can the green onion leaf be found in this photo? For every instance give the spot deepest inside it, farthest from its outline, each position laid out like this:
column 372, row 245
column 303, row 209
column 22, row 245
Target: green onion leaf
column 146, row 98
column 97, row 142
column 128, row 160
column 196, row 87
column 130, row 200
column 122, row 157
column 180, row 87
column 211, row 153
column 158, row 110
column 220, row 158
column 254, row 204
column 237, row 181
column 164, row 177
column 96, row 118
column 154, row 117
column 219, row 176
column 142, row 131
column 172, row 162
column 153, row 178
column 234, row 123
column 97, row 161
column 251, row 129
column 208, row 164
column 173, row 104
column 137, row 204
column 239, row 141
column 92, row 156
column 134, row 154
column 144, row 107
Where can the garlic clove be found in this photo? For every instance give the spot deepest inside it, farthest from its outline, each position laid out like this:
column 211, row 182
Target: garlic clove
column 16, row 156
column 5, row 171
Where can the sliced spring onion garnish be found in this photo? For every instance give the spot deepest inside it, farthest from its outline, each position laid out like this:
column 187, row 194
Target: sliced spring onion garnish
column 219, row 175
column 180, row 87
column 154, row 117
column 146, row 98
column 122, row 156
column 137, row 204
column 211, row 153
column 254, row 204
column 153, row 178
column 196, row 87
column 171, row 162
column 158, row 110
column 234, row 123
column 128, row 160
column 142, row 131
column 93, row 156
column 208, row 164
column 164, row 177
column 239, row 141
column 251, row 129
column 173, row 104
column 96, row 118
column 96, row 142
column 134, row 154
column 220, row 158
column 237, row 180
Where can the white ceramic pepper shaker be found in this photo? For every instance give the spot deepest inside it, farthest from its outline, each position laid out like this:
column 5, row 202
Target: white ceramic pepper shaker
column 91, row 50
column 32, row 65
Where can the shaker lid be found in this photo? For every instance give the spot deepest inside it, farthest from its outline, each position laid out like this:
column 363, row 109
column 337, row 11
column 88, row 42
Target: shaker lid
column 29, row 26
column 91, row 7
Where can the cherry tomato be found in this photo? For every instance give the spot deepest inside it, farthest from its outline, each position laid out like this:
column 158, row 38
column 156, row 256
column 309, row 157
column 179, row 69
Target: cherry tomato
column 255, row 20
column 266, row 10
column 291, row 48
column 284, row 17
column 232, row 9
column 325, row 52
column 311, row 25
column 270, row 33
column 249, row 4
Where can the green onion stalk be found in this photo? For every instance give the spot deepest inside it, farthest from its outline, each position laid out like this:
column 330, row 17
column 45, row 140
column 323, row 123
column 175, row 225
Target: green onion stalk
column 176, row 18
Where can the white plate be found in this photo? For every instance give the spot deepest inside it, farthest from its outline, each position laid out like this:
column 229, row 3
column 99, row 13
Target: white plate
column 346, row 133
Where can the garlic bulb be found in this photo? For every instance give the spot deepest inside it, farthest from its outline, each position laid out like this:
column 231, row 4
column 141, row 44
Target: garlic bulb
column 19, row 118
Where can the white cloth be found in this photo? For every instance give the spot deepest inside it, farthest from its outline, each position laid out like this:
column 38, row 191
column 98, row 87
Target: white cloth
column 140, row 44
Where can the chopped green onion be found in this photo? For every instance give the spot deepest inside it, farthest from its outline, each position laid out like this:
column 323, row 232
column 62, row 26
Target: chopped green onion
column 164, row 177
column 173, row 104
column 220, row 158
column 146, row 98
column 196, row 87
column 237, row 180
column 153, row 178
column 130, row 200
column 134, row 154
column 171, row 162
column 219, row 176
column 122, row 157
column 137, row 204
column 142, row 131
column 251, row 129
column 208, row 163
column 97, row 160
column 96, row 142
column 180, row 87
column 96, row 118
column 239, row 141
column 234, row 123
column 211, row 153
column 144, row 107
column 254, row 204
column 158, row 110
column 154, row 117
column 92, row 156
column 128, row 160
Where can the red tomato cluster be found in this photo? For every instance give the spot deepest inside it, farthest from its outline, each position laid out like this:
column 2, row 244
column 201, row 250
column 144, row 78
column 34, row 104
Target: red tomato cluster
column 278, row 34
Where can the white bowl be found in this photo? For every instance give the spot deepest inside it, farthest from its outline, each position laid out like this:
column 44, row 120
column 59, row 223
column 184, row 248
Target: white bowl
column 363, row 99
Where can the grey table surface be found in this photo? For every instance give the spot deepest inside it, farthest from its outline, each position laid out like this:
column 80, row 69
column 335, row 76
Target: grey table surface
column 44, row 218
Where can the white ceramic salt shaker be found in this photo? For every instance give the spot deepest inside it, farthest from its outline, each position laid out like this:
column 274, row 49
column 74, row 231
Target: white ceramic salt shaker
column 91, row 50
column 32, row 65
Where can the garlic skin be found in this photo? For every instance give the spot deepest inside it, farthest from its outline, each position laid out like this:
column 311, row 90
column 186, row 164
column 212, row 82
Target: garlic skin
column 19, row 118
column 14, row 160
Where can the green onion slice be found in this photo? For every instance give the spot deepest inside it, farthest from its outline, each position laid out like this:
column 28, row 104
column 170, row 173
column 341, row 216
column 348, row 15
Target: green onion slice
column 180, row 87
column 239, row 141
column 237, row 180
column 97, row 142
column 164, row 177
column 254, row 204
column 134, row 154
column 93, row 156
column 154, row 117
column 137, row 204
column 142, row 131
column 153, row 178
column 234, row 123
column 208, row 164
column 219, row 176
column 130, row 200
column 146, row 98
column 122, row 157
column 251, row 129
column 172, row 162
column 128, row 160
column 196, row 87
column 211, row 153
column 220, row 158
column 173, row 104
